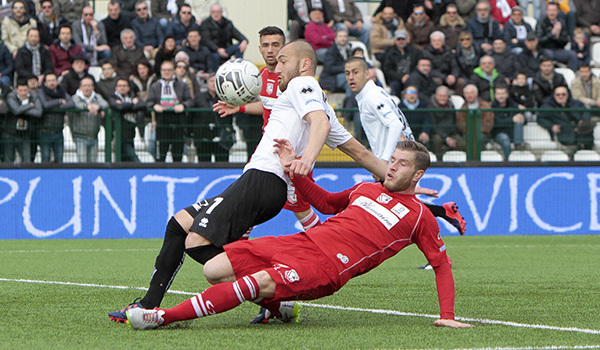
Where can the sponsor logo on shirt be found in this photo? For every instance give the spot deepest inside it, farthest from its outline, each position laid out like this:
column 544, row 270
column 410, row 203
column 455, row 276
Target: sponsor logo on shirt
column 380, row 106
column 400, row 210
column 203, row 222
column 306, row 90
column 387, row 218
column 311, row 101
column 344, row 259
column 384, row 198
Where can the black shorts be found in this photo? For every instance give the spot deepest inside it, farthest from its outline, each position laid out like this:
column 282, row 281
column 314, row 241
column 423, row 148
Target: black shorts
column 257, row 196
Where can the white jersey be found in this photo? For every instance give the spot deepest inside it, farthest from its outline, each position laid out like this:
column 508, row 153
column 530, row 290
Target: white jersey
column 302, row 96
column 382, row 120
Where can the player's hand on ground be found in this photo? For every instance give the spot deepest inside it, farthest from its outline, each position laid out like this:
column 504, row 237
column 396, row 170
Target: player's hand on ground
column 224, row 109
column 285, row 151
column 451, row 323
column 426, row 191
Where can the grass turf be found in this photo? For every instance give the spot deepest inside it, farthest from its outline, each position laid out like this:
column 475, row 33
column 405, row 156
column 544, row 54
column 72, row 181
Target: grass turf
column 533, row 280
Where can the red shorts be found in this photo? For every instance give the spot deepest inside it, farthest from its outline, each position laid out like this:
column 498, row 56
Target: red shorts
column 297, row 203
column 298, row 266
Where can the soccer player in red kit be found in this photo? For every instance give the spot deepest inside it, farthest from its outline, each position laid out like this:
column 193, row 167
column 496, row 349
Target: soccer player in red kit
column 374, row 222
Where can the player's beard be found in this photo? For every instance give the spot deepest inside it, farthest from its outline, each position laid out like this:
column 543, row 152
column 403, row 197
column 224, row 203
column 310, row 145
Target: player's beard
column 287, row 77
column 398, row 184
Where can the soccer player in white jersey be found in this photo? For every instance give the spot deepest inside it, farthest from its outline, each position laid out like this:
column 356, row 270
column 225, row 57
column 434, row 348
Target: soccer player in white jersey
column 302, row 116
column 385, row 125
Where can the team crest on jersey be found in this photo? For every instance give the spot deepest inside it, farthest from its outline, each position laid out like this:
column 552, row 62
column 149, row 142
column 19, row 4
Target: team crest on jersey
column 292, row 276
column 400, row 210
column 269, row 88
column 384, row 198
column 293, row 198
column 344, row 259
column 203, row 222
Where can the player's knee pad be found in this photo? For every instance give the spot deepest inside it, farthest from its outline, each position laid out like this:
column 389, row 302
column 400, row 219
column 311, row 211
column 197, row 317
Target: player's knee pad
column 174, row 228
column 203, row 253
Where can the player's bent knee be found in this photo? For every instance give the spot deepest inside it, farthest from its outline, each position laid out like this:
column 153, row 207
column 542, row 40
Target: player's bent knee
column 266, row 284
column 219, row 270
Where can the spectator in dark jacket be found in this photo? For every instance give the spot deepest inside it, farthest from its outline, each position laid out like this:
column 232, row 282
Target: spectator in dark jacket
column 529, row 59
column 63, row 51
column 467, row 55
column 49, row 23
column 420, row 122
column 444, row 133
column 148, row 32
column 399, row 61
column 164, row 13
column 166, row 52
column 333, row 77
column 108, row 81
column 218, row 33
column 131, row 109
column 486, row 77
column 484, row 28
column 588, row 16
column 201, row 59
column 422, row 80
column 24, row 107
column 419, row 26
column 181, row 24
column 553, row 36
column 508, row 125
column 70, row 81
column 516, row 30
column 33, row 59
column 128, row 8
column 546, row 80
column 521, row 94
column 444, row 68
column 126, row 55
column 115, row 23
column 506, row 61
column 452, row 24
column 7, row 66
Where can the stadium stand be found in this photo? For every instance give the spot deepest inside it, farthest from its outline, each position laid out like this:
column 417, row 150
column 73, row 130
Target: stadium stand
column 454, row 156
column 554, row 156
column 491, row 156
column 521, row 156
column 567, row 73
column 586, row 155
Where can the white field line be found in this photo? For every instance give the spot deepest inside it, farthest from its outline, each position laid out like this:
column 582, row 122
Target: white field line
column 334, row 307
column 551, row 347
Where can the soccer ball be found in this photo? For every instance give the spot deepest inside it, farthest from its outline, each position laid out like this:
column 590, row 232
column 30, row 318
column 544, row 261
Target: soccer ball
column 238, row 82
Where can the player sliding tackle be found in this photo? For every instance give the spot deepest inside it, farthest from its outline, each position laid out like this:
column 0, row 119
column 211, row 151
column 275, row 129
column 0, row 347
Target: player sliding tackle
column 374, row 221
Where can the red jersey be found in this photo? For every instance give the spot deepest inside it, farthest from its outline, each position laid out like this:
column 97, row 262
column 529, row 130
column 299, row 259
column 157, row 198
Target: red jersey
column 269, row 93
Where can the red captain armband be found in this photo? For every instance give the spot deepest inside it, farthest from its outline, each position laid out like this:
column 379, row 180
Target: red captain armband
column 243, row 109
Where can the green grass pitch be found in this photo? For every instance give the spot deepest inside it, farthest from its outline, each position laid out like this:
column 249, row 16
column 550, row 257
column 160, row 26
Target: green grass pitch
column 543, row 291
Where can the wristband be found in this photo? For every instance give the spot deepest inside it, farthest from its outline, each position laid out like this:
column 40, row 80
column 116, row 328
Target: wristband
column 243, row 109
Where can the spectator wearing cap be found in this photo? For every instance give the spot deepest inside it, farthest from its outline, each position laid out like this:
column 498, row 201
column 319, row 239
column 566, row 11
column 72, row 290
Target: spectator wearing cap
column 484, row 27
column 319, row 34
column 451, row 24
column 501, row 10
column 126, row 55
column 33, row 59
column 516, row 30
column 399, row 61
column 529, row 59
column 382, row 32
column 63, row 51
column 115, row 23
column 299, row 16
column 420, row 27
column 148, row 32
column 588, row 16
column 553, row 36
column 71, row 80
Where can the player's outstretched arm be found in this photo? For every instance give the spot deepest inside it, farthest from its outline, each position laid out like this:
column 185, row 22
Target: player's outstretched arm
column 224, row 109
column 319, row 129
column 285, row 151
column 426, row 191
column 451, row 323
column 364, row 157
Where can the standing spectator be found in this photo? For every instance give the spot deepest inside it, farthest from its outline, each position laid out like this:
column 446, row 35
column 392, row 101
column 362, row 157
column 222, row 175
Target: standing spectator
column 180, row 25
column 70, row 81
column 451, row 24
column 546, row 80
column 128, row 8
column 347, row 16
column 581, row 46
column 33, row 59
column 131, row 109
column 165, row 10
column 553, row 35
column 486, row 77
column 419, row 121
column 108, row 81
column 24, row 107
column 91, row 36
column 319, row 34
column 501, row 10
column 86, row 125
column 530, row 58
column 219, row 32
column 572, row 128
column 201, row 59
column 70, row 9
column 148, row 32
column 299, row 16
column 586, row 87
column 467, row 55
column 382, row 33
column 474, row 104
column 333, row 77
column 522, row 94
column 49, row 23
column 484, row 28
column 588, row 16
column 400, row 60
column 50, row 129
column 422, row 79
column 444, row 68
column 63, row 51
column 125, row 56
column 16, row 26
column 7, row 66
column 444, row 133
column 169, row 99
column 508, row 125
column 506, row 60
column 516, row 31
column 420, row 27
column 115, row 23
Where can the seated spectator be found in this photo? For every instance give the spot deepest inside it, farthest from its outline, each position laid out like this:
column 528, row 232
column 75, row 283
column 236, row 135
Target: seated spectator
column 382, row 33
column 402, row 9
column 572, row 128
column 164, row 11
column 484, row 28
column 7, row 66
column 200, row 58
column 501, row 10
column 420, row 122
column 516, row 31
column 586, row 88
column 131, row 109
column 16, row 26
column 420, row 27
column 553, row 36
column 166, row 52
column 588, row 16
column 91, row 36
column 474, row 104
column 49, row 23
column 128, row 8
column 506, row 60
column 108, row 80
column 218, row 33
column 400, row 60
column 521, row 94
column 451, row 24
column 181, row 24
column 333, row 76
column 115, row 23
column 143, row 79
column 183, row 74
column 50, row 128
column 299, row 16
column 508, row 125
column 421, row 79
column 169, row 98
column 72, row 79
column 125, row 56
column 86, row 125
column 33, row 59
column 466, row 8
column 529, row 59
column 581, row 46
column 444, row 68
column 318, row 34
column 435, row 9
column 63, row 51
column 24, row 108
column 566, row 12
column 467, row 55
column 70, row 9
column 348, row 17
column 546, row 80
column 486, row 77
column 444, row 133
column 148, row 32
